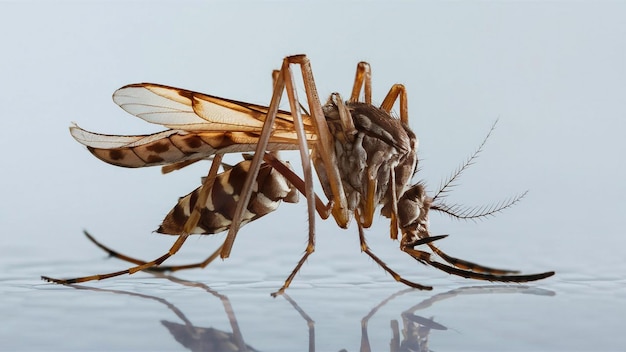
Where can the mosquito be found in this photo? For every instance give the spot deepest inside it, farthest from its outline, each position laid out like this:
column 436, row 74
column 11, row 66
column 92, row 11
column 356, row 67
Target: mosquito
column 363, row 156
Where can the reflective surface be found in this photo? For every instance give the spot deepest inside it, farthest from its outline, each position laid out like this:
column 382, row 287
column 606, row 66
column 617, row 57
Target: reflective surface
column 554, row 74
column 146, row 312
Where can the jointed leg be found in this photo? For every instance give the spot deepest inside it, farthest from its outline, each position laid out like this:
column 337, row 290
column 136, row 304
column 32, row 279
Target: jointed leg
column 324, row 145
column 179, row 242
column 191, row 223
column 310, row 248
column 394, row 225
column 396, row 276
column 345, row 118
column 160, row 268
column 284, row 81
column 362, row 79
column 322, row 209
column 308, row 176
column 255, row 165
column 397, row 90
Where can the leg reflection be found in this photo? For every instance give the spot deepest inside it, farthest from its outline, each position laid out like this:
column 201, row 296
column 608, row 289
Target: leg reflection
column 193, row 337
column 416, row 329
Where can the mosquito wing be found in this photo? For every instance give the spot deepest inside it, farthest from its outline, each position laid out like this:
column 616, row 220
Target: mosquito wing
column 199, row 125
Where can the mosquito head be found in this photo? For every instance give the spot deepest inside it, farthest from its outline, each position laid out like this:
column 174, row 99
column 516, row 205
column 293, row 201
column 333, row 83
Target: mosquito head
column 413, row 208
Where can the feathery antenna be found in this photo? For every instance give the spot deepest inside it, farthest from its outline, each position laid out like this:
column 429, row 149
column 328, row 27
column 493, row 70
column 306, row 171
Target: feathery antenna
column 463, row 212
column 450, row 182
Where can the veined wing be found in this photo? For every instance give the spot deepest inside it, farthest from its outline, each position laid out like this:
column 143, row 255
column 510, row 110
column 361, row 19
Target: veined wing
column 174, row 146
column 201, row 125
column 186, row 110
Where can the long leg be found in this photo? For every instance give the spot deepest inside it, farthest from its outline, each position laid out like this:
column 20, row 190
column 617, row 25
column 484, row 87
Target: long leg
column 322, row 209
column 365, row 248
column 394, row 225
column 255, row 165
column 191, row 223
column 175, row 247
column 325, row 143
column 284, row 80
column 425, row 258
column 308, row 179
column 160, row 268
column 362, row 79
column 324, row 147
column 308, row 176
column 397, row 90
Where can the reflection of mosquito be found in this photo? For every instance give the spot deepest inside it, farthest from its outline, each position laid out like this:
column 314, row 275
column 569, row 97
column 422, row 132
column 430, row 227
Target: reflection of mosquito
column 416, row 329
column 364, row 158
column 202, row 339
column 193, row 337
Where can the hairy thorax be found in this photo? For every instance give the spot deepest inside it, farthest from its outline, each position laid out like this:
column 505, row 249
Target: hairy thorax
column 381, row 150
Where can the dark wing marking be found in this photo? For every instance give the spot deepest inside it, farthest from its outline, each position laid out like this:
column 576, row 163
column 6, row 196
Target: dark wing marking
column 173, row 146
column 200, row 126
column 182, row 109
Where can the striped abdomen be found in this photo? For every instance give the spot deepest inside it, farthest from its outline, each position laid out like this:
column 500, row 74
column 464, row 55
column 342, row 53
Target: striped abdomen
column 269, row 189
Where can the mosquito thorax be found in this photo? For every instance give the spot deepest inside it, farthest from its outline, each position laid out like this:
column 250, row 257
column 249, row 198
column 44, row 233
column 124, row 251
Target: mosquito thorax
column 380, row 145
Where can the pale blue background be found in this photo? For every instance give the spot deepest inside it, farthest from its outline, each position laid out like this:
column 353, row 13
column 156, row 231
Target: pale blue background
column 553, row 73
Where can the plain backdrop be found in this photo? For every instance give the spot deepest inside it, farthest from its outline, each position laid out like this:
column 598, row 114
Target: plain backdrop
column 553, row 73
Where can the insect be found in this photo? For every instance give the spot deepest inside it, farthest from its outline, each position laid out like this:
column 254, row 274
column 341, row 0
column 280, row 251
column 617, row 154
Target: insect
column 363, row 156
